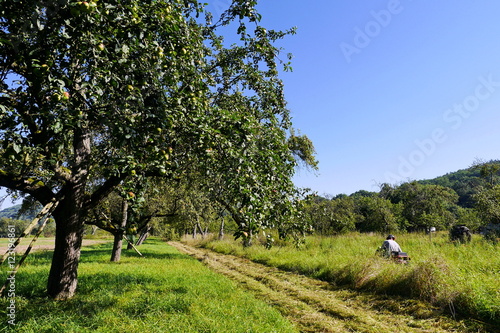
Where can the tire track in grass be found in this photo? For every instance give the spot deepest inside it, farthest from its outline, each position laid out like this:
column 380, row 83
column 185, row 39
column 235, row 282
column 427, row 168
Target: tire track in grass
column 313, row 305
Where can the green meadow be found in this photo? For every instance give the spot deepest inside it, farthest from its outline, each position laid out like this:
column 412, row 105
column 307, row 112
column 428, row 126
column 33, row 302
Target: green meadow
column 163, row 292
column 462, row 279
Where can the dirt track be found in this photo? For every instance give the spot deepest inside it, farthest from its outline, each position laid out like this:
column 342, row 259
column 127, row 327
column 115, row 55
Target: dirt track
column 44, row 245
column 315, row 306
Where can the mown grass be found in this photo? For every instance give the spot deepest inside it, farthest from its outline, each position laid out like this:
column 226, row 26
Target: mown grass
column 464, row 280
column 164, row 292
column 4, row 242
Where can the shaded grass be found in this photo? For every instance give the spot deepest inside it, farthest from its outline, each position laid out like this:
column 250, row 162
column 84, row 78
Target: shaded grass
column 163, row 292
column 463, row 280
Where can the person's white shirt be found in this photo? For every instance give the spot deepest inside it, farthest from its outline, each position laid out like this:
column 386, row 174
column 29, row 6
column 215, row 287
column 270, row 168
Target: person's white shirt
column 390, row 246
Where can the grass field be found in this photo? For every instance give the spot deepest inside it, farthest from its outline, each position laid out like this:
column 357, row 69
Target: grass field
column 464, row 280
column 164, row 292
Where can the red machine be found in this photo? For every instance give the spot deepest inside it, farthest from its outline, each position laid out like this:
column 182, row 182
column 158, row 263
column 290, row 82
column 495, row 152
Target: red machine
column 400, row 257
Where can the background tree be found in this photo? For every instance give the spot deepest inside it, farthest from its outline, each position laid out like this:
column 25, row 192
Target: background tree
column 328, row 217
column 377, row 214
column 488, row 204
column 19, row 225
column 488, row 171
column 469, row 217
column 425, row 206
column 466, row 182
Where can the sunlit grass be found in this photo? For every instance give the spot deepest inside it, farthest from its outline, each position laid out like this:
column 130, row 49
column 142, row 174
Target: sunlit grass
column 4, row 242
column 163, row 292
column 463, row 279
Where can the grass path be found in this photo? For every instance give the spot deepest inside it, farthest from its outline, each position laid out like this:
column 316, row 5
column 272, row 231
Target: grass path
column 315, row 306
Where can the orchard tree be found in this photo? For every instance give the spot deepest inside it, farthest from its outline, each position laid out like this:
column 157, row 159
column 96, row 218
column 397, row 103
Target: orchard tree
column 90, row 91
column 113, row 214
column 378, row 214
column 100, row 94
column 425, row 206
column 252, row 151
column 487, row 203
column 183, row 206
column 327, row 217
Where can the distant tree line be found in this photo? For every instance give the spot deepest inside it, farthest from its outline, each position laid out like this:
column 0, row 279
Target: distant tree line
column 468, row 197
column 171, row 209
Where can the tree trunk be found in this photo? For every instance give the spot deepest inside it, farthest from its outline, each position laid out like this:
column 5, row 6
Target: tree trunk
column 143, row 236
column 116, row 253
column 63, row 277
column 69, row 217
column 247, row 240
column 200, row 229
column 118, row 241
column 221, row 230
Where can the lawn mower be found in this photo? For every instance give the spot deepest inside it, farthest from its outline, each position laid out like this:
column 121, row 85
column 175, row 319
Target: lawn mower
column 400, row 257
column 397, row 257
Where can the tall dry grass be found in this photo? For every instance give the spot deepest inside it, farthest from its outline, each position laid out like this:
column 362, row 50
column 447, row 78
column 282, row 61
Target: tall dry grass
column 462, row 279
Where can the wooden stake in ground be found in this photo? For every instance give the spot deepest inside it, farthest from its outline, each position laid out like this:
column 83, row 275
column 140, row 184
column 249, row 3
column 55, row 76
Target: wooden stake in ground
column 14, row 271
column 46, row 211
column 132, row 245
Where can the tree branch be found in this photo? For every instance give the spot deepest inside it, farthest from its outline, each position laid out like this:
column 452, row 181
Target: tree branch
column 34, row 187
column 102, row 192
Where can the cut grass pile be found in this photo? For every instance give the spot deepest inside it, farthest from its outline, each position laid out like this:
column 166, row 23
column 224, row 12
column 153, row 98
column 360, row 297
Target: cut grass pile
column 463, row 280
column 164, row 292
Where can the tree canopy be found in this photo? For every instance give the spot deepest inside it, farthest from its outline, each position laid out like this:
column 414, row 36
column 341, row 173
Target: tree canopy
column 100, row 94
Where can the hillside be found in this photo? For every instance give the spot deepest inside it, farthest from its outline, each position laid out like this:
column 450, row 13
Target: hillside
column 466, row 181
column 13, row 213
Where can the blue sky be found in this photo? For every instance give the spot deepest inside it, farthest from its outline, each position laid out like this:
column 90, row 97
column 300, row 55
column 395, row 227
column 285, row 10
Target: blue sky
column 391, row 91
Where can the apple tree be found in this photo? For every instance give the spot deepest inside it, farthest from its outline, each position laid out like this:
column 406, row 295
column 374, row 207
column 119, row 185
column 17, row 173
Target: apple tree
column 96, row 95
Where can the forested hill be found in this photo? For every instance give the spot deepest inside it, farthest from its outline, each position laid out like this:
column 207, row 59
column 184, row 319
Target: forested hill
column 466, row 182
column 12, row 213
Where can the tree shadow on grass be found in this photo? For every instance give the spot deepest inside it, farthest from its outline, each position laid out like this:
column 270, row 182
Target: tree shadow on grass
column 124, row 295
column 134, row 294
column 102, row 253
column 32, row 276
column 155, row 255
